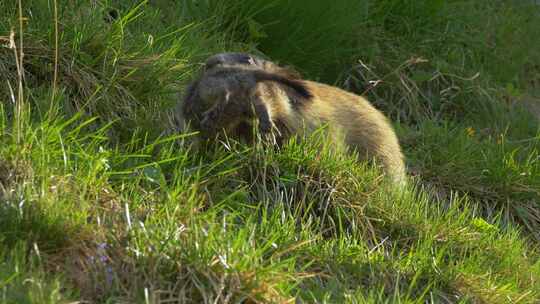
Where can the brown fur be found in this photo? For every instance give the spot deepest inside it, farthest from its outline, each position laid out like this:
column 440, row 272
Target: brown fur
column 231, row 96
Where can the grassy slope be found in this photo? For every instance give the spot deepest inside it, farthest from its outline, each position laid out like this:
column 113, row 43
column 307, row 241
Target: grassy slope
column 96, row 205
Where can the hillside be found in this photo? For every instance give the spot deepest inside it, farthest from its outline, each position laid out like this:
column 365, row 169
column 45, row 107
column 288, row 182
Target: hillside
column 102, row 201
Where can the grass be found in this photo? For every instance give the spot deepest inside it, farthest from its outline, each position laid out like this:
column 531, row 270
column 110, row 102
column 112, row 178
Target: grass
column 101, row 202
column 500, row 173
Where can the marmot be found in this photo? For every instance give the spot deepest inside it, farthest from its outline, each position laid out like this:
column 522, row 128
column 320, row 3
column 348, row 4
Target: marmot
column 233, row 92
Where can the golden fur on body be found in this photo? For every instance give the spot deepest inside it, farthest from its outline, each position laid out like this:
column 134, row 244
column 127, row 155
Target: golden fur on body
column 232, row 93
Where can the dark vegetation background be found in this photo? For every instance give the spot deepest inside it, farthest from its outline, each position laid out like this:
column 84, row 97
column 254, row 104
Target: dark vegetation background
column 102, row 202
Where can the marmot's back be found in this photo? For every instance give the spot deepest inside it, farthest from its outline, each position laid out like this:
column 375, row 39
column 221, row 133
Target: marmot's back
column 353, row 119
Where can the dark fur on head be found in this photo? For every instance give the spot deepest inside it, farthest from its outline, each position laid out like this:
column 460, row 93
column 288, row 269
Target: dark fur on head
column 232, row 58
column 249, row 60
